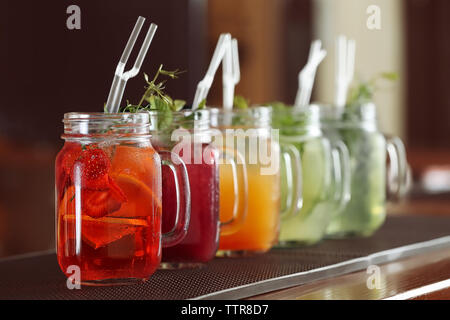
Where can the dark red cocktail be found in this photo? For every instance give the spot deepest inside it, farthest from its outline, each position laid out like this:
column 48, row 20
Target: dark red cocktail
column 201, row 159
column 202, row 238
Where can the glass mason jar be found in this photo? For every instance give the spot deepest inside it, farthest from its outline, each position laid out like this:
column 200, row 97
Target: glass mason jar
column 357, row 127
column 108, row 199
column 188, row 135
column 247, row 133
column 324, row 179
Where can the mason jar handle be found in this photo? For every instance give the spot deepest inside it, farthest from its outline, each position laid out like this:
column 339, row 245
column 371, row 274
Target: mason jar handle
column 294, row 180
column 342, row 173
column 240, row 187
column 398, row 169
column 183, row 194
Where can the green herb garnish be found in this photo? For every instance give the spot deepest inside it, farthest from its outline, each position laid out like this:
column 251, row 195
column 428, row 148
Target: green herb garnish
column 240, row 102
column 202, row 104
column 154, row 97
column 287, row 121
column 364, row 91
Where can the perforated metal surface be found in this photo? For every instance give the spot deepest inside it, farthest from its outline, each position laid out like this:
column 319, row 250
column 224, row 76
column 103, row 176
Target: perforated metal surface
column 39, row 277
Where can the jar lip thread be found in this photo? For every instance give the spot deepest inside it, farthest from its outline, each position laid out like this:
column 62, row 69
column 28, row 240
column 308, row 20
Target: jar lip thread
column 188, row 119
column 254, row 116
column 102, row 124
column 90, row 116
column 364, row 112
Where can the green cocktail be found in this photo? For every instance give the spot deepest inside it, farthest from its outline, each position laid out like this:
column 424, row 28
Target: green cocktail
column 299, row 129
column 357, row 128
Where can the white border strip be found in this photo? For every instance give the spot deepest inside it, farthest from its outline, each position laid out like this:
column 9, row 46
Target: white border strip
column 334, row 270
column 414, row 293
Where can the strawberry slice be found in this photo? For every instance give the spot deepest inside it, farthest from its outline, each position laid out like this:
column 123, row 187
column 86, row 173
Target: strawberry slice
column 99, row 203
column 93, row 165
column 100, row 195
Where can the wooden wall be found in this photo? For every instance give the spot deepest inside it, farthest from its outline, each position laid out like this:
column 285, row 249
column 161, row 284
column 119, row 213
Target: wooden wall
column 274, row 38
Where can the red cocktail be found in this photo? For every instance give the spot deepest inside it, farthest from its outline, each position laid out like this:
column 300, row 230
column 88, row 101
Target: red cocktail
column 108, row 199
column 189, row 137
column 202, row 238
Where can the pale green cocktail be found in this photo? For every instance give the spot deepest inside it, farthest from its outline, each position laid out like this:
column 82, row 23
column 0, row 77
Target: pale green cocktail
column 356, row 126
column 300, row 130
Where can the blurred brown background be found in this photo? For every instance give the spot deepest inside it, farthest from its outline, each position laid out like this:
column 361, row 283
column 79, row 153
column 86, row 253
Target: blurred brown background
column 48, row 70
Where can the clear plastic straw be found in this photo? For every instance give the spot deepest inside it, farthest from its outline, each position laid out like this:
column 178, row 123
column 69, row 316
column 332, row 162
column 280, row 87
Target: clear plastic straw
column 227, row 78
column 231, row 74
column 121, row 77
column 308, row 73
column 205, row 84
column 345, row 68
column 236, row 65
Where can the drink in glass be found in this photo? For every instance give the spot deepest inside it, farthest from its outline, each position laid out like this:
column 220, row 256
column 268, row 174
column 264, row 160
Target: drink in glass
column 108, row 199
column 250, row 131
column 188, row 135
column 321, row 187
column 357, row 127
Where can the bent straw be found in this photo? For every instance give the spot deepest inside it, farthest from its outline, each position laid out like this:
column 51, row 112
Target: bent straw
column 231, row 73
column 205, row 84
column 227, row 78
column 307, row 75
column 236, row 65
column 345, row 68
column 121, row 77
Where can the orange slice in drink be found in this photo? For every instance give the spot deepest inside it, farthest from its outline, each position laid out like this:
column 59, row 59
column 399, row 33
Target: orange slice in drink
column 136, row 162
column 100, row 232
column 142, row 201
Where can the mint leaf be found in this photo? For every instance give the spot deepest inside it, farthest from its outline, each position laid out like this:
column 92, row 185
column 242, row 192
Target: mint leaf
column 178, row 105
column 364, row 92
column 392, row 76
column 240, row 102
column 202, row 104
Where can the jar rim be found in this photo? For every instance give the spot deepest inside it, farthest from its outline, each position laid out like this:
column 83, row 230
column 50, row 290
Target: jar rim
column 98, row 124
column 302, row 121
column 198, row 115
column 264, row 109
column 91, row 116
column 365, row 111
column 257, row 115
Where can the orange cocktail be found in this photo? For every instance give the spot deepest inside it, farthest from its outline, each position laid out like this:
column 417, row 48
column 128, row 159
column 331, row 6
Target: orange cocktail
column 260, row 228
column 250, row 131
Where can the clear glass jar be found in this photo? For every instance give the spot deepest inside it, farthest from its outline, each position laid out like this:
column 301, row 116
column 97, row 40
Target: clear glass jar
column 357, row 127
column 108, row 199
column 324, row 176
column 247, row 134
column 188, row 135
